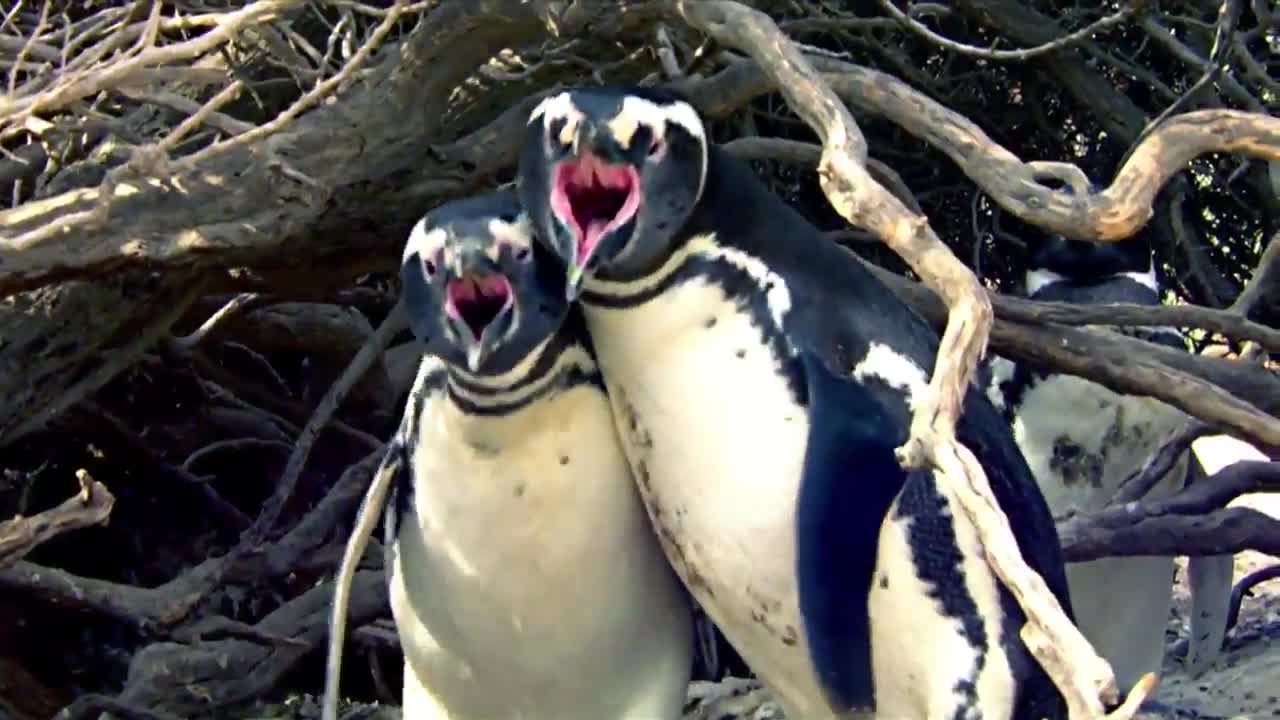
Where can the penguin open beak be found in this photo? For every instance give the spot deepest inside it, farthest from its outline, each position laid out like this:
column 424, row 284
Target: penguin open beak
column 477, row 296
column 591, row 197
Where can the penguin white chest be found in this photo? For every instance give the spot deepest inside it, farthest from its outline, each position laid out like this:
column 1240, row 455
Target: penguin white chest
column 716, row 442
column 1082, row 440
column 527, row 551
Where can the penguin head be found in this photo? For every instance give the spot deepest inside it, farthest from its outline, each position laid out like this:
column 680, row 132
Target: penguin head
column 610, row 175
column 1061, row 261
column 476, row 289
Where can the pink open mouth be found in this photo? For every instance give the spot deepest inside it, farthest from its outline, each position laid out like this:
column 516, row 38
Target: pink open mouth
column 593, row 197
column 477, row 299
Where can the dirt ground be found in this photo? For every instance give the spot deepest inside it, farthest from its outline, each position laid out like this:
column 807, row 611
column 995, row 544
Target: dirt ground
column 1246, row 680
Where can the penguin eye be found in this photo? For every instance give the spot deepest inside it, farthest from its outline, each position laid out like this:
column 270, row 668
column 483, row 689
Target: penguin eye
column 523, row 255
column 655, row 146
column 429, row 266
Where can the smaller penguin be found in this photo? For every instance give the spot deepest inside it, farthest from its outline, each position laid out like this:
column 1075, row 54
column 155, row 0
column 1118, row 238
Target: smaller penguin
column 1083, row 440
column 525, row 579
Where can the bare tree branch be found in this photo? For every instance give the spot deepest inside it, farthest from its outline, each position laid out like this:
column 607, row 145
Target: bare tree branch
column 1128, row 9
column 1127, row 365
column 1187, row 523
column 91, row 506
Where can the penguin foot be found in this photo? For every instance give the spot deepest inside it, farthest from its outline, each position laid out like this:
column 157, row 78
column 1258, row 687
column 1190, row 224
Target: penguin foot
column 731, row 699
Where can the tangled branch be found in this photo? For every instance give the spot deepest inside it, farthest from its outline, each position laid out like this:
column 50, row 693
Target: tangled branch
column 154, row 152
column 91, row 506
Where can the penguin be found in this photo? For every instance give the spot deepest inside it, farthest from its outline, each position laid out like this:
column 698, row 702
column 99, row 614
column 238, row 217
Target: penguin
column 525, row 579
column 721, row 320
column 1083, row 440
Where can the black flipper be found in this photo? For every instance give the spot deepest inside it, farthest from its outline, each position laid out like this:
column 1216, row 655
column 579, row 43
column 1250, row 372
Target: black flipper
column 849, row 481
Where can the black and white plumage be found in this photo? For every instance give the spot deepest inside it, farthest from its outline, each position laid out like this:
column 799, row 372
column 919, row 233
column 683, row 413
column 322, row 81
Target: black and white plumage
column 722, row 320
column 526, row 581
column 1082, row 440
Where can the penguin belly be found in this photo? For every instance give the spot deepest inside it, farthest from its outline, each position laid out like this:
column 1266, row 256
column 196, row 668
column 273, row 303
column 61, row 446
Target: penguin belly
column 526, row 581
column 716, row 444
column 933, row 589
column 1082, row 441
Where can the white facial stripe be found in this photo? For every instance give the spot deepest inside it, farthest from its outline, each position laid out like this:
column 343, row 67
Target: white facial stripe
column 427, row 243
column 1040, row 277
column 553, row 107
column 638, row 111
column 424, row 242
column 518, row 234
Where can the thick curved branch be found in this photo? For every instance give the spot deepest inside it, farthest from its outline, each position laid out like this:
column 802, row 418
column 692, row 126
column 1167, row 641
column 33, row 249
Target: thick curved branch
column 1015, row 185
column 1230, row 530
column 1190, row 522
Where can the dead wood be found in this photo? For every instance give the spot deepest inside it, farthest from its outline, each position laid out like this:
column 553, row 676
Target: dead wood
column 205, row 679
column 196, row 217
column 1139, row 483
column 1191, row 522
column 309, row 546
column 370, row 513
column 1244, row 587
column 91, row 506
column 90, row 414
column 1206, row 387
column 62, row 343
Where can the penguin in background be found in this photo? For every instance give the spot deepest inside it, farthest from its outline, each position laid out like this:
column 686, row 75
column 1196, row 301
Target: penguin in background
column 525, row 579
column 1083, row 440
column 743, row 353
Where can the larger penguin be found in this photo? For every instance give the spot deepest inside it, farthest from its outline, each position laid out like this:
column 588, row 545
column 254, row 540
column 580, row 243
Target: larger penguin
column 740, row 349
column 1082, row 440
column 526, row 582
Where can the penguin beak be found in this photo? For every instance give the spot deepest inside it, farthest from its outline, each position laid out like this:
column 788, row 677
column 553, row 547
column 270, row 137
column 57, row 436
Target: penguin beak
column 594, row 192
column 477, row 297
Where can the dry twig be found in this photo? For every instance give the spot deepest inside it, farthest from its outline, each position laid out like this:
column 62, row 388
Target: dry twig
column 91, row 506
column 1125, row 12
column 367, row 517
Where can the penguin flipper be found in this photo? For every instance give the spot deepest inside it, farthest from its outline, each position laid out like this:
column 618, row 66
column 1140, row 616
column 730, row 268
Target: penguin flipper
column 849, row 481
